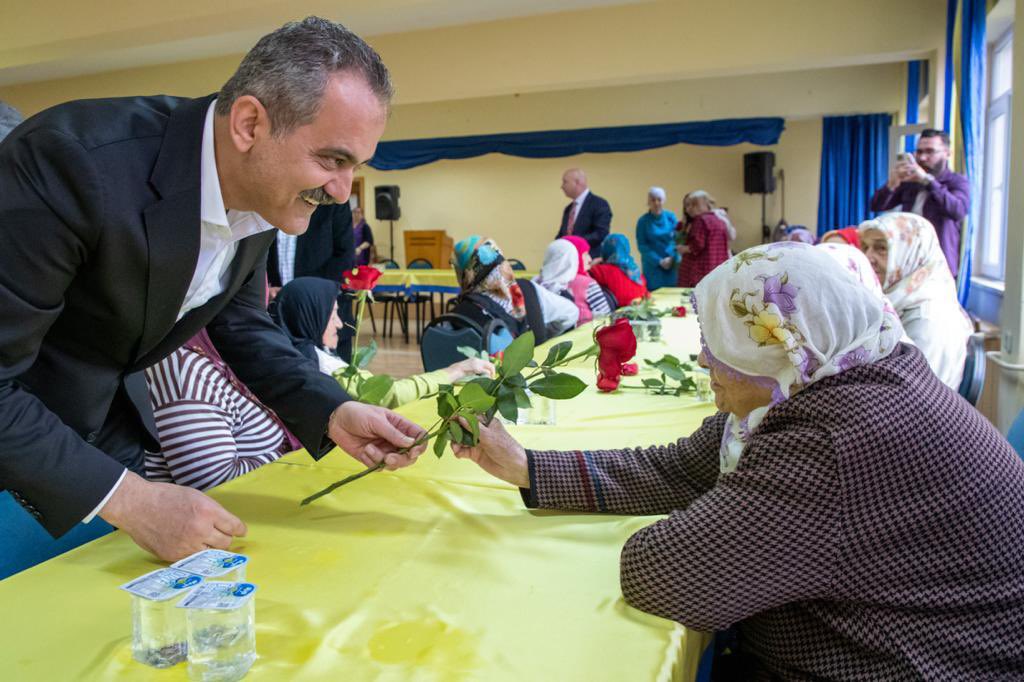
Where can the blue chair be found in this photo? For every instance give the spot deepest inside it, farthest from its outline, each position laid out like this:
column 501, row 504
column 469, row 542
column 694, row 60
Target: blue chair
column 1016, row 434
column 974, row 369
column 419, row 299
column 516, row 264
column 25, row 543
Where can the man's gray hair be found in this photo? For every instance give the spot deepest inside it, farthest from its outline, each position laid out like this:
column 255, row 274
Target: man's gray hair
column 288, row 71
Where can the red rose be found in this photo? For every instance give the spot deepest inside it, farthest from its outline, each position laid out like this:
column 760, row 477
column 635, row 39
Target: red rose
column 630, row 369
column 363, row 278
column 679, row 311
column 617, row 344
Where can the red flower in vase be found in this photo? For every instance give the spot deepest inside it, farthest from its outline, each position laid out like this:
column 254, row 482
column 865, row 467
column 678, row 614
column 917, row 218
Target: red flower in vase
column 617, row 344
column 363, row 278
column 679, row 311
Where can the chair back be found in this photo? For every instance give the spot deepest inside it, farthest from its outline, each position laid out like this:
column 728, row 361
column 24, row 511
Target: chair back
column 974, row 369
column 1016, row 434
column 420, row 264
column 442, row 338
column 390, row 264
column 516, row 264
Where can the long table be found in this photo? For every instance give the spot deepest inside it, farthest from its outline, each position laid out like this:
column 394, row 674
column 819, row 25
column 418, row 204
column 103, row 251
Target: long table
column 437, row 281
column 435, row 572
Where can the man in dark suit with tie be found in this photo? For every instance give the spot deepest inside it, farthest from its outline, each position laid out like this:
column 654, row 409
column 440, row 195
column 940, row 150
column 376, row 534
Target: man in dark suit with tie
column 588, row 215
column 325, row 250
column 130, row 224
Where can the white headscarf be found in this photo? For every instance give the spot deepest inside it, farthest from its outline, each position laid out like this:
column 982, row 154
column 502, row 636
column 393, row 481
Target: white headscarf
column 921, row 288
column 855, row 261
column 786, row 316
column 656, row 192
column 561, row 264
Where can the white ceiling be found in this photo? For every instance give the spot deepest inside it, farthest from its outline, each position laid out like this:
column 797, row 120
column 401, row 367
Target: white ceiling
column 40, row 43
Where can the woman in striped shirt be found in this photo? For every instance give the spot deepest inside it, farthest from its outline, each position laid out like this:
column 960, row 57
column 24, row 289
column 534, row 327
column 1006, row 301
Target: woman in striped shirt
column 212, row 428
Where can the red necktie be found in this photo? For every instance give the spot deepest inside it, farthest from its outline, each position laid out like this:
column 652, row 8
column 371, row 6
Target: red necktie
column 572, row 219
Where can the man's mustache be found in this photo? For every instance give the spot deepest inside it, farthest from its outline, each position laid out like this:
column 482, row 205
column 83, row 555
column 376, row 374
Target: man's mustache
column 318, row 196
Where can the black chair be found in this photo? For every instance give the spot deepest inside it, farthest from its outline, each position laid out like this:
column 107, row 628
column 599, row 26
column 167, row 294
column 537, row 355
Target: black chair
column 974, row 369
column 516, row 264
column 395, row 304
column 443, row 337
column 420, row 299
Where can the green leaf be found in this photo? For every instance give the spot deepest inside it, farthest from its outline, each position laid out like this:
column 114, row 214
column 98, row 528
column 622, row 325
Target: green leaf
column 474, row 428
column 375, row 389
column 445, row 405
column 473, row 397
column 671, row 370
column 557, row 353
column 517, row 380
column 517, row 355
column 507, row 405
column 652, row 383
column 522, row 400
column 455, row 431
column 365, row 355
column 440, row 442
column 468, row 351
column 558, row 386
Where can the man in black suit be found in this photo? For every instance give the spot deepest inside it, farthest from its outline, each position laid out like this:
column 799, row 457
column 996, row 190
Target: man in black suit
column 588, row 215
column 325, row 250
column 130, row 224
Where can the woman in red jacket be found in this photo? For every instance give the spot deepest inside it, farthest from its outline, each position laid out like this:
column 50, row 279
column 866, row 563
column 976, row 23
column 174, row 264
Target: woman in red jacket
column 707, row 240
column 618, row 272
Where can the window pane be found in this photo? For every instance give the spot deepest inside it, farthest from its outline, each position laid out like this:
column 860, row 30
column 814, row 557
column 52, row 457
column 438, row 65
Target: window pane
column 997, row 151
column 994, row 230
column 1002, row 70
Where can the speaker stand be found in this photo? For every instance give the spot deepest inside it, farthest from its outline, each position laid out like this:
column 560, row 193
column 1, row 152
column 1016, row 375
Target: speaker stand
column 765, row 230
column 391, row 232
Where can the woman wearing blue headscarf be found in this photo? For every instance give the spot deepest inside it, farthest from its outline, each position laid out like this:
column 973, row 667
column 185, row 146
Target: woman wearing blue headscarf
column 618, row 273
column 656, row 241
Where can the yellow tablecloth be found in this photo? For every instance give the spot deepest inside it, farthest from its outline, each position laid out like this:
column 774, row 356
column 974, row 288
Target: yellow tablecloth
column 439, row 280
column 435, row 572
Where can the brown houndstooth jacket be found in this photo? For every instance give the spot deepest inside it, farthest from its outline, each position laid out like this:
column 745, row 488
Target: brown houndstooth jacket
column 874, row 529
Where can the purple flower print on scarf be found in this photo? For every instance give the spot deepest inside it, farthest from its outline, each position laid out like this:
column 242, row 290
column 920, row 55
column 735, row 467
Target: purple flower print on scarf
column 779, row 291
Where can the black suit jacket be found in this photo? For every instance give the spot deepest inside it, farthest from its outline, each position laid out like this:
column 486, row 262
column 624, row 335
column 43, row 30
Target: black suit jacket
column 593, row 222
column 326, row 250
column 100, row 227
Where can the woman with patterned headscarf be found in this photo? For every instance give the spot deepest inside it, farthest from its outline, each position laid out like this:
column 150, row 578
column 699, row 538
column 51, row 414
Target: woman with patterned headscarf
column 489, row 290
column 842, row 493
column 904, row 251
column 656, row 241
column 618, row 273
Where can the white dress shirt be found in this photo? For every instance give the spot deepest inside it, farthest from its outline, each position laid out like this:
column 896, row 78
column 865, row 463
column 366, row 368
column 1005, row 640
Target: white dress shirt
column 286, row 244
column 220, row 232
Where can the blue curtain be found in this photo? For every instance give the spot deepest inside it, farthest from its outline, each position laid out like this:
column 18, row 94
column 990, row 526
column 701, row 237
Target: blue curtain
column 973, row 57
column 403, row 154
column 947, row 90
column 854, row 163
column 913, row 99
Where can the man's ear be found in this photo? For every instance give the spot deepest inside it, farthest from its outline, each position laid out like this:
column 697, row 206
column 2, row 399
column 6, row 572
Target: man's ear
column 247, row 122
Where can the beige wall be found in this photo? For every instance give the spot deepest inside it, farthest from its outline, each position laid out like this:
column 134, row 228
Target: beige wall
column 518, row 201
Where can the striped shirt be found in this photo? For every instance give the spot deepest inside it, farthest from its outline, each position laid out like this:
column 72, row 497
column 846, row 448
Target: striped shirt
column 597, row 301
column 211, row 429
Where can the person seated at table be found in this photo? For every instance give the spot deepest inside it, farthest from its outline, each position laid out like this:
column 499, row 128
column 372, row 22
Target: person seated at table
column 905, row 254
column 489, row 291
column 618, row 273
column 563, row 273
column 707, row 239
column 840, row 545
column 583, row 268
column 655, row 240
column 210, row 425
column 847, row 235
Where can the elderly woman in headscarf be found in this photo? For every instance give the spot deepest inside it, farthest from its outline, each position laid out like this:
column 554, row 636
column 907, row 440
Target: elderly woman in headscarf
column 490, row 291
column 905, row 254
column 563, row 273
column 618, row 273
column 840, row 544
column 707, row 239
column 656, row 241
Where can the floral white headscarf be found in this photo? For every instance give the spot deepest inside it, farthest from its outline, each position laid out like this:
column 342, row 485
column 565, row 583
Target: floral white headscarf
column 855, row 261
column 921, row 288
column 786, row 316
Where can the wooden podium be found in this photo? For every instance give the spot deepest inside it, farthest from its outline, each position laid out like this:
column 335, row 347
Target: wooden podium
column 434, row 245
